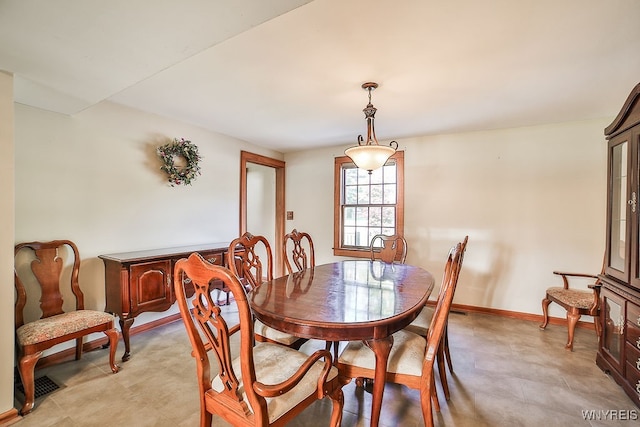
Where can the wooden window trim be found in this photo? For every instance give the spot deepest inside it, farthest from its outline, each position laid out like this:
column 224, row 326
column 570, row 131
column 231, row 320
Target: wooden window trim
column 337, row 190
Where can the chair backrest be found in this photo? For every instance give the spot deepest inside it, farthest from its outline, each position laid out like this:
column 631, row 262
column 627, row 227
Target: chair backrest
column 298, row 251
column 388, row 248
column 208, row 329
column 443, row 304
column 48, row 273
column 250, row 258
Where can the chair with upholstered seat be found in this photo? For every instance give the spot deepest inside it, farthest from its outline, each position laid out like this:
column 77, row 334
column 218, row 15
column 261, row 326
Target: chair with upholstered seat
column 266, row 384
column 412, row 356
column 49, row 271
column 420, row 325
column 388, row 248
column 245, row 260
column 577, row 302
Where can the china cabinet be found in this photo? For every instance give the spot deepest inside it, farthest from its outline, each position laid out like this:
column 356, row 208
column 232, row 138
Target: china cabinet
column 619, row 349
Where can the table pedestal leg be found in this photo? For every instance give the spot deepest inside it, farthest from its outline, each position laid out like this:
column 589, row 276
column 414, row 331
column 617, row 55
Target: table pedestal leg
column 381, row 349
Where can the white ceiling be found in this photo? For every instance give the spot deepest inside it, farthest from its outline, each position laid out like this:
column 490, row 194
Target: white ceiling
column 286, row 74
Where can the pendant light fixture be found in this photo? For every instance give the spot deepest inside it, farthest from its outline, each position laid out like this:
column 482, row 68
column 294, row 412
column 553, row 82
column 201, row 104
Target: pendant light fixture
column 369, row 155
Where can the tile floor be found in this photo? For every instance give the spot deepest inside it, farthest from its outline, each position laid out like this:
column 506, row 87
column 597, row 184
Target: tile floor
column 507, row 373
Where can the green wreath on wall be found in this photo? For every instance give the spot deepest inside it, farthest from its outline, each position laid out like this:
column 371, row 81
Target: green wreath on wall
column 180, row 175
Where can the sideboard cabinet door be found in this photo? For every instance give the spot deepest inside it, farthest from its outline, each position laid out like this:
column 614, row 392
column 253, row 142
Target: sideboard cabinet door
column 151, row 287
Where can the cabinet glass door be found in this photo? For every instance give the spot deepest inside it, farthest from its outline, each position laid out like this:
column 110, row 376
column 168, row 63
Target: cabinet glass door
column 617, row 245
column 612, row 327
column 634, row 207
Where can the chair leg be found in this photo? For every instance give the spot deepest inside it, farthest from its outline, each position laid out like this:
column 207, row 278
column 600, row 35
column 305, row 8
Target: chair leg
column 337, row 398
column 442, row 371
column 26, row 366
column 112, row 334
column 434, row 393
column 545, row 312
column 79, row 348
column 596, row 321
column 572, row 320
column 447, row 353
column 426, row 399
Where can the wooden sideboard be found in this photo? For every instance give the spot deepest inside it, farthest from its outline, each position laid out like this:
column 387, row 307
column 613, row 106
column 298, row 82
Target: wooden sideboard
column 141, row 281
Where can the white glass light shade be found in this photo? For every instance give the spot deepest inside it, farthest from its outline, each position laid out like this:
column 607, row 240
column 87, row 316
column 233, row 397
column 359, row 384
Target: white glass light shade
column 370, row 157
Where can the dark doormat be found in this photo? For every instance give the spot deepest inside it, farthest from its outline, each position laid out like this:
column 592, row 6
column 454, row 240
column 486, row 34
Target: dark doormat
column 43, row 385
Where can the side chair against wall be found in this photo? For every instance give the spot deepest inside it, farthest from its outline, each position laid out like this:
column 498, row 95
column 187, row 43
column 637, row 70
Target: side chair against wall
column 47, row 277
column 420, row 326
column 267, row 384
column 388, row 248
column 245, row 261
column 412, row 356
column 576, row 301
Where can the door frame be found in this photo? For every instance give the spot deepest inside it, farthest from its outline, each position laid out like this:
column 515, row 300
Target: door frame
column 279, row 166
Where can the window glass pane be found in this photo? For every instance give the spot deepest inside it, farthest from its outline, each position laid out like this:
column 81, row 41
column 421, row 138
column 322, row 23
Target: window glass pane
column 349, row 216
column 388, row 231
column 376, row 194
column 349, row 236
column 362, row 236
column 389, row 216
column 363, row 194
column 350, row 195
column 389, row 172
column 376, row 176
column 375, row 216
column 363, row 176
column 362, row 216
column 350, row 176
column 389, row 194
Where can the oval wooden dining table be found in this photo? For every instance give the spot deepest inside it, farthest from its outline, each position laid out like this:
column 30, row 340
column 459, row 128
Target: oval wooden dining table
column 347, row 301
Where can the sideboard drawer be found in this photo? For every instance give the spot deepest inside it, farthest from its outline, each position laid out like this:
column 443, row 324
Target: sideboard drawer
column 633, row 335
column 633, row 314
column 633, row 379
column 216, row 258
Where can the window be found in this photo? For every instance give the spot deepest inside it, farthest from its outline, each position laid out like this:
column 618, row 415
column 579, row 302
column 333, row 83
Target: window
column 366, row 204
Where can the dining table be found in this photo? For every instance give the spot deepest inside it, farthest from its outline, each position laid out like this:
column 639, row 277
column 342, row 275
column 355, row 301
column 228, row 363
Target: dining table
column 348, row 300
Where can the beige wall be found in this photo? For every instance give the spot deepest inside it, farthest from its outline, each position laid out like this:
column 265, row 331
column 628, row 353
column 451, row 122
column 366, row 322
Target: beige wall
column 6, row 242
column 531, row 199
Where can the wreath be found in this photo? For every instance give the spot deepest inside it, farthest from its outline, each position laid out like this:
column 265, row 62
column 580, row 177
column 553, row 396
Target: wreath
column 180, row 175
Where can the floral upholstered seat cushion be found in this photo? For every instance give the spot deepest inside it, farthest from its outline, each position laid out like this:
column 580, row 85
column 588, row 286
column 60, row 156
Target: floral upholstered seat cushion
column 572, row 297
column 275, row 363
column 60, row 325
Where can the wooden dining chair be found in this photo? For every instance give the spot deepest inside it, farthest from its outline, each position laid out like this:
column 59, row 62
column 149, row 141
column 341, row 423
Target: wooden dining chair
column 412, row 356
column 251, row 260
column 297, row 251
column 266, row 384
column 49, row 271
column 576, row 302
column 421, row 325
column 388, row 249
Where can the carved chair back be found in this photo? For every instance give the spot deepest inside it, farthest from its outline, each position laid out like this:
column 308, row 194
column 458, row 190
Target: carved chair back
column 298, row 251
column 47, row 274
column 388, row 249
column 250, row 258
